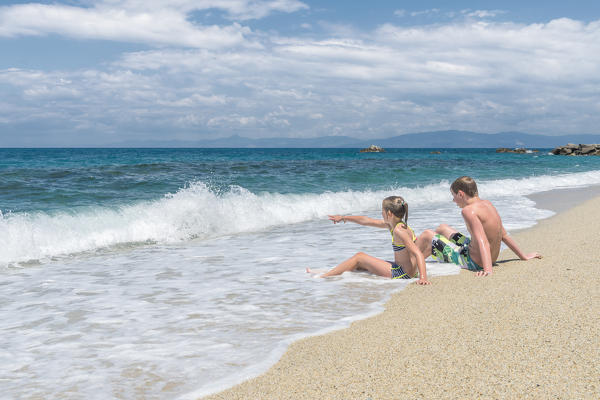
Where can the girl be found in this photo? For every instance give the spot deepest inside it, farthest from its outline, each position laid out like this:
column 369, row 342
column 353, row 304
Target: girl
column 408, row 259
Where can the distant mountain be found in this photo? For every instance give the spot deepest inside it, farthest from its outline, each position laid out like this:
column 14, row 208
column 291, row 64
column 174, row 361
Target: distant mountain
column 463, row 139
column 438, row 140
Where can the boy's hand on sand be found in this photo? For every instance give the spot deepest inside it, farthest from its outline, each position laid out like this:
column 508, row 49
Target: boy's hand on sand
column 336, row 218
column 532, row 255
column 483, row 273
column 422, row 281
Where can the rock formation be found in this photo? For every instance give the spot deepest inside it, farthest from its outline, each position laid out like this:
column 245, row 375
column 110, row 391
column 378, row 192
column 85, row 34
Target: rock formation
column 520, row 150
column 373, row 149
column 571, row 149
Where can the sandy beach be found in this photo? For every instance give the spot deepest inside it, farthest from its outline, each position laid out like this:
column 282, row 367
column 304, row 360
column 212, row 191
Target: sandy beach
column 530, row 331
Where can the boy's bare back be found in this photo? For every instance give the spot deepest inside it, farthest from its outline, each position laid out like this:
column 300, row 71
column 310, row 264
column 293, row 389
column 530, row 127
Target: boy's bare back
column 484, row 225
column 491, row 222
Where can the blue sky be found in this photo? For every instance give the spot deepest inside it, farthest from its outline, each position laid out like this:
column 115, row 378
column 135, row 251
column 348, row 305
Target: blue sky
column 89, row 73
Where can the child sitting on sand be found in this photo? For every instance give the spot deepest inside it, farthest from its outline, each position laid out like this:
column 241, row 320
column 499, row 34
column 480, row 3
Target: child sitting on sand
column 408, row 260
column 479, row 252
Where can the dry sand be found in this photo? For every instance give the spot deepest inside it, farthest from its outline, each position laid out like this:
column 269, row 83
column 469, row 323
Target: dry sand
column 530, row 331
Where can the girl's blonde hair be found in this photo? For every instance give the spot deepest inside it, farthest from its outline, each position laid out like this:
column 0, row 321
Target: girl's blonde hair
column 397, row 206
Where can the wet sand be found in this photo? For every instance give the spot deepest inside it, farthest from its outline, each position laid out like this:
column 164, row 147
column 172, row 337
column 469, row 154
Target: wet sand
column 529, row 331
column 560, row 200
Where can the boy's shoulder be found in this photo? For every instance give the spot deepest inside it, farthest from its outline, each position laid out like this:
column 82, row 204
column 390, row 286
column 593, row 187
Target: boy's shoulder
column 479, row 206
column 486, row 204
column 484, row 210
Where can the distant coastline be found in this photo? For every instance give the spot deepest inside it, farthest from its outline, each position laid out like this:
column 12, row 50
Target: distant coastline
column 437, row 140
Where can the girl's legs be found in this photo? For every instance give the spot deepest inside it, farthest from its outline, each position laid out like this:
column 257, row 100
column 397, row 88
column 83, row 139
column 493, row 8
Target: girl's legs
column 362, row 261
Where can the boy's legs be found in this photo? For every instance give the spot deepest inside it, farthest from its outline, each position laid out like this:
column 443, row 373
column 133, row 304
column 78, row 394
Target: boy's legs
column 443, row 242
column 445, row 230
column 436, row 244
column 442, row 248
column 423, row 242
column 454, row 236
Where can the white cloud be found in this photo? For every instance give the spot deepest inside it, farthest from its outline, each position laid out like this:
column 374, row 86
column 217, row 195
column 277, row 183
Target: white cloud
column 195, row 100
column 452, row 15
column 249, row 9
column 425, row 12
column 480, row 76
column 483, row 13
column 233, row 121
column 154, row 22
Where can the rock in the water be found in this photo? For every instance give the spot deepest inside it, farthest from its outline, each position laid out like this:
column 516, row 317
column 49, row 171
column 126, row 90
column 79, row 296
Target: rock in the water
column 577, row 150
column 373, row 149
column 519, row 150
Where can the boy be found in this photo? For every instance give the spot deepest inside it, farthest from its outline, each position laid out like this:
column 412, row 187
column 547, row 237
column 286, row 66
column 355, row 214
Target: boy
column 479, row 252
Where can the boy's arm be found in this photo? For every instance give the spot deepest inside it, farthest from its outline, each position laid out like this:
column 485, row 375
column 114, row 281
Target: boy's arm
column 478, row 235
column 515, row 248
column 359, row 219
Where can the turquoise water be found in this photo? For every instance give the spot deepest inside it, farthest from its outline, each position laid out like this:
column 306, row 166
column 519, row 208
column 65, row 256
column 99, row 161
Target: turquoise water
column 172, row 273
column 67, row 179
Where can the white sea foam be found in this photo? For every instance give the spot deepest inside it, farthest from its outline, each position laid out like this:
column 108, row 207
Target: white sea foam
column 163, row 321
column 215, row 299
column 196, row 212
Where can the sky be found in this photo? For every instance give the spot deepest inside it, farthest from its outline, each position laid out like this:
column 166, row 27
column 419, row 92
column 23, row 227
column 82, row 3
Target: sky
column 93, row 73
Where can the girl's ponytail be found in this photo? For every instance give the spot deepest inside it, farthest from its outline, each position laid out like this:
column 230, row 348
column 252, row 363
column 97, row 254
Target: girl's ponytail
column 398, row 207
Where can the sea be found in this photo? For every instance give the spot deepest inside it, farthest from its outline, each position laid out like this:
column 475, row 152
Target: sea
column 175, row 273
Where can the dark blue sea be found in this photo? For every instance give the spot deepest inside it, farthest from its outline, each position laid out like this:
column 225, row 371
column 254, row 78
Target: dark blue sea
column 171, row 273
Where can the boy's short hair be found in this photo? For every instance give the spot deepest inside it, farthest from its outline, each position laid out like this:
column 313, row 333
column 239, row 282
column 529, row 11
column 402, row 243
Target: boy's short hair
column 466, row 184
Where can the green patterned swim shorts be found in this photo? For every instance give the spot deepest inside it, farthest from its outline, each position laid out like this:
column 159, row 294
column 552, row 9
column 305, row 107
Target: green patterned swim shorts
column 442, row 249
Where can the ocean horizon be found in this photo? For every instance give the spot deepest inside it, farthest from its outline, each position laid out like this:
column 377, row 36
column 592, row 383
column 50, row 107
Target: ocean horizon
column 173, row 273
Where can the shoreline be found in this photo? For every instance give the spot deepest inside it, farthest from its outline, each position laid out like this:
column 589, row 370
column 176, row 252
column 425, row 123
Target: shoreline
column 560, row 200
column 390, row 356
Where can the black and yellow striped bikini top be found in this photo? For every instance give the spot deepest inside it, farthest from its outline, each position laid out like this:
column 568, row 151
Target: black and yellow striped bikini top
column 400, row 247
